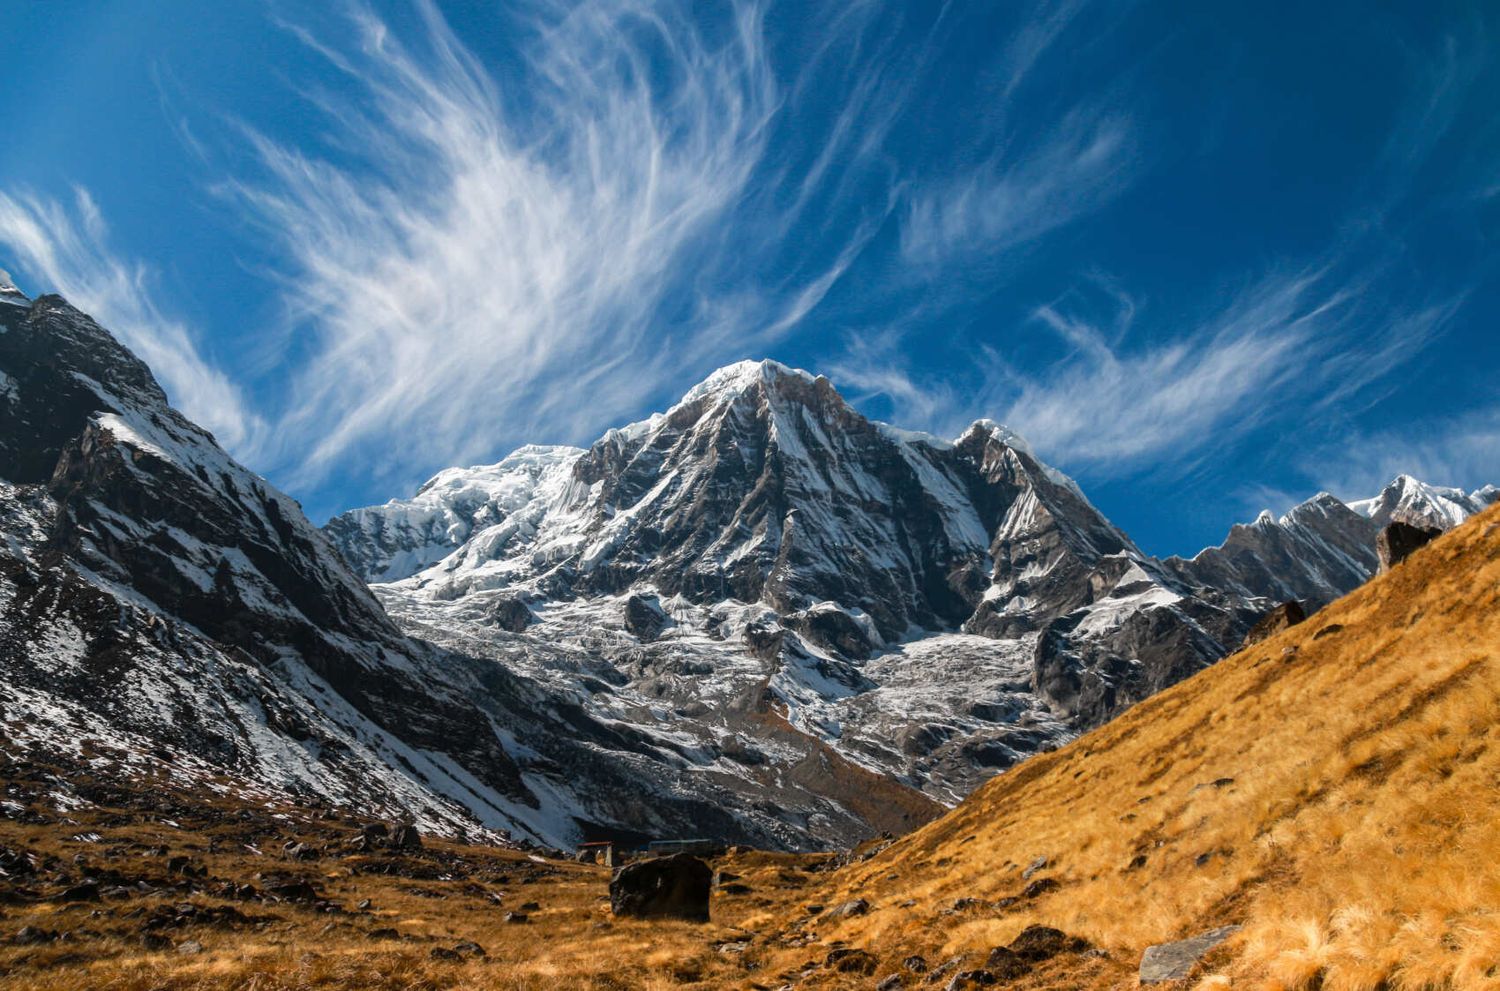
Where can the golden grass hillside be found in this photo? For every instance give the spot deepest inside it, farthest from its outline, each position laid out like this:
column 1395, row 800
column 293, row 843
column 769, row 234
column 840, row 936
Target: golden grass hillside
column 1335, row 790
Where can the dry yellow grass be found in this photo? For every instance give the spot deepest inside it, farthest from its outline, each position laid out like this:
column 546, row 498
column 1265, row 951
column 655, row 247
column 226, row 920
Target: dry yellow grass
column 1335, row 790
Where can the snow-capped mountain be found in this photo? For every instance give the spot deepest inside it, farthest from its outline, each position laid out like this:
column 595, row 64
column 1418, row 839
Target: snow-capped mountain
column 163, row 607
column 1412, row 501
column 932, row 610
column 761, row 558
column 1323, row 547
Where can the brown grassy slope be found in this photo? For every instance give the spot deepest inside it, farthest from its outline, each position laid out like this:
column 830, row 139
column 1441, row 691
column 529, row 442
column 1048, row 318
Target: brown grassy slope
column 381, row 920
column 1336, row 789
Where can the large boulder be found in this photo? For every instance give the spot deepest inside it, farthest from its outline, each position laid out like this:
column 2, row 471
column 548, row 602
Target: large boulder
column 675, row 887
column 1283, row 617
column 1399, row 539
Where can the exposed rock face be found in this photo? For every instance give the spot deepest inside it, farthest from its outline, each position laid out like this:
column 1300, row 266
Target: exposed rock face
column 1398, row 539
column 935, row 611
column 675, row 887
column 511, row 615
column 1175, row 961
column 1283, row 617
column 644, row 618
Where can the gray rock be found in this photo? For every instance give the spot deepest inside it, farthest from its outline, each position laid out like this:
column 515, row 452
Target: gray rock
column 644, row 617
column 511, row 614
column 1398, row 540
column 675, row 887
column 1283, row 617
column 1174, row 961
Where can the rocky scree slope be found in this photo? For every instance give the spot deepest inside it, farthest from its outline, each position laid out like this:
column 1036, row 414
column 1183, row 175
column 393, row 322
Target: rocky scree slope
column 159, row 600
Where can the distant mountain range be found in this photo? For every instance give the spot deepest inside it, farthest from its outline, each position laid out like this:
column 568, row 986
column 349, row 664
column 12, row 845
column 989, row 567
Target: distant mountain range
column 758, row 617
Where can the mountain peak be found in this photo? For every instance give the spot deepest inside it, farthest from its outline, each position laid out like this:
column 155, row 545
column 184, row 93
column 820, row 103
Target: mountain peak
column 743, row 375
column 8, row 291
column 989, row 429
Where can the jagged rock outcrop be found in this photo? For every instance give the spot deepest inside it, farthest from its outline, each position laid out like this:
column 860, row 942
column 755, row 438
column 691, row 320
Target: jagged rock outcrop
column 1323, row 548
column 1398, row 539
column 1283, row 617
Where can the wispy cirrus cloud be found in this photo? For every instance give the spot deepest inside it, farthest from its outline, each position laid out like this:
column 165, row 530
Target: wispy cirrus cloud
column 1124, row 397
column 1089, row 159
column 469, row 271
column 1461, row 450
column 477, row 257
column 67, row 249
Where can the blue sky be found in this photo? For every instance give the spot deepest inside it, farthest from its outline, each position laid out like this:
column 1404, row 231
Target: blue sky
column 1205, row 257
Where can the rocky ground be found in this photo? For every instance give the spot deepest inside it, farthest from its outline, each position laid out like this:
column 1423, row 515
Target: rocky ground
column 144, row 886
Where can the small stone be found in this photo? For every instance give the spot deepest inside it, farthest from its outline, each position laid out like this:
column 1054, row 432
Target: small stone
column 32, row 936
column 443, row 953
column 516, row 918
column 966, row 979
column 406, row 837
column 851, row 961
column 190, row 948
column 1006, row 964
column 1033, row 867
column 86, row 891
column 1036, row 943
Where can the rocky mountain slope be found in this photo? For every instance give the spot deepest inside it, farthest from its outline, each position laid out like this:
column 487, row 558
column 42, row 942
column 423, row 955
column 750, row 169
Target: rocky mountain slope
column 160, row 602
column 932, row 610
column 1329, row 790
column 1323, row 548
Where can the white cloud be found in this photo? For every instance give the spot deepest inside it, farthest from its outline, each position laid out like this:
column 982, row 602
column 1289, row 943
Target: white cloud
column 1461, row 451
column 1280, row 349
column 478, row 274
column 1087, row 159
column 67, row 251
